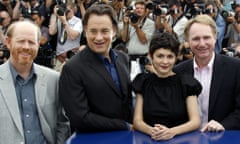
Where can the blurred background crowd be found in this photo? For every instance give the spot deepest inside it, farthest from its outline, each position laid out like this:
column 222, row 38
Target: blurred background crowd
column 60, row 22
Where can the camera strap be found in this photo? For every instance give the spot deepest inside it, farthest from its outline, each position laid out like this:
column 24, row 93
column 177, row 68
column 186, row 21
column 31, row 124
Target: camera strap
column 174, row 23
column 63, row 35
column 142, row 22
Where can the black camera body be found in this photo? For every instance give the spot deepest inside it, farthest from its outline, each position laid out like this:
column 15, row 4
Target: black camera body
column 209, row 11
column 61, row 10
column 157, row 8
column 195, row 9
column 129, row 8
column 133, row 17
column 225, row 13
column 1, row 20
column 144, row 60
column 229, row 51
column 186, row 51
column 4, row 54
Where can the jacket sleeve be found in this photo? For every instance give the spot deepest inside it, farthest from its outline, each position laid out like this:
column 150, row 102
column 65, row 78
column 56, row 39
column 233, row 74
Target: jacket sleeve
column 62, row 124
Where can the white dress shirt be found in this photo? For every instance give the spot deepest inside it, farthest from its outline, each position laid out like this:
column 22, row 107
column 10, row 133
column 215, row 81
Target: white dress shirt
column 204, row 76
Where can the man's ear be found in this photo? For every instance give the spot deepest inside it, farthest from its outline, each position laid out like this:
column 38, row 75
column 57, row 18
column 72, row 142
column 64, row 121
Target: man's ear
column 115, row 31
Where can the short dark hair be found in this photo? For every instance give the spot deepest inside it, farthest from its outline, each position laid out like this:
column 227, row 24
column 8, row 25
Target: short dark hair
column 100, row 9
column 164, row 40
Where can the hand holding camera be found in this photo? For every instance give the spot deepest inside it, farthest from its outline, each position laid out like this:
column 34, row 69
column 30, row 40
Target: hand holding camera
column 134, row 18
column 61, row 12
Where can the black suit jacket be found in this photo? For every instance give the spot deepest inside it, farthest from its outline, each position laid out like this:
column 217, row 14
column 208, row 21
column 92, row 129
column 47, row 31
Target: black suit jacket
column 224, row 99
column 89, row 95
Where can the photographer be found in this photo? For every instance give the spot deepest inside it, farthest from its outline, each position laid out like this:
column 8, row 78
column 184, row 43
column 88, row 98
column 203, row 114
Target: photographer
column 215, row 10
column 5, row 21
column 6, row 5
column 4, row 54
column 68, row 28
column 232, row 35
column 137, row 31
column 185, row 52
column 177, row 19
column 159, row 11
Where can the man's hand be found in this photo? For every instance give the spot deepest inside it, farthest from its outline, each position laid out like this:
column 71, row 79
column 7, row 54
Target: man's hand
column 213, row 126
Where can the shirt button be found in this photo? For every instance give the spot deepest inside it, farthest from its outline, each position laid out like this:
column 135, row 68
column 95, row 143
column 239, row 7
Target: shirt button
column 28, row 131
column 25, row 100
column 27, row 115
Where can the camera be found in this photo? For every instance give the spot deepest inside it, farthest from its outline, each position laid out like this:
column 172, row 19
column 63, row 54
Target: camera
column 144, row 60
column 70, row 53
column 209, row 11
column 195, row 9
column 186, row 51
column 157, row 8
column 1, row 20
column 129, row 8
column 133, row 17
column 61, row 10
column 236, row 16
column 226, row 13
column 174, row 11
column 229, row 51
column 4, row 54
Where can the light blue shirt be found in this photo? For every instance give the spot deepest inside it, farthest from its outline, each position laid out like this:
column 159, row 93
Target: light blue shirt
column 221, row 26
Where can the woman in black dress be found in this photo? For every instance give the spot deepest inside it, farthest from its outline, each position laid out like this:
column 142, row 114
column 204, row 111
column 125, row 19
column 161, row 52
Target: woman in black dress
column 166, row 103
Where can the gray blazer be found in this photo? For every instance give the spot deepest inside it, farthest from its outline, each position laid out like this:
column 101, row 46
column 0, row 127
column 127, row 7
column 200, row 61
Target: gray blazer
column 54, row 123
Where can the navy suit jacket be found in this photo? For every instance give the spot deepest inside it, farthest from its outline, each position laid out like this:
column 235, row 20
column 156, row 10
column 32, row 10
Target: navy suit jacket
column 224, row 99
column 90, row 97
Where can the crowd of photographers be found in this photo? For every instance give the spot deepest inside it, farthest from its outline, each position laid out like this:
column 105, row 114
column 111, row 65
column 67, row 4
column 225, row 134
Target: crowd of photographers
column 63, row 36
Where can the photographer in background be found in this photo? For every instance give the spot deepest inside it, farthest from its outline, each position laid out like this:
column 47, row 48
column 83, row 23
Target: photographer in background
column 137, row 33
column 159, row 11
column 68, row 28
column 177, row 19
column 45, row 52
column 5, row 21
column 215, row 10
column 232, row 35
column 185, row 52
column 6, row 5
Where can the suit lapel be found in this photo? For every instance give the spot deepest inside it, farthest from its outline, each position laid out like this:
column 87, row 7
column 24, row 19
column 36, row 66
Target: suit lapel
column 218, row 71
column 41, row 88
column 99, row 67
column 9, row 95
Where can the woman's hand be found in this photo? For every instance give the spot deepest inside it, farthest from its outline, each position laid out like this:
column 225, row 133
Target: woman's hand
column 161, row 132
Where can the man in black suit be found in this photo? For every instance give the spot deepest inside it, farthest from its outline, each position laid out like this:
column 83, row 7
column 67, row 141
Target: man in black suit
column 219, row 75
column 95, row 83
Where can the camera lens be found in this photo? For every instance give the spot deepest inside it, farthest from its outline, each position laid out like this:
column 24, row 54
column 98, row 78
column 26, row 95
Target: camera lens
column 133, row 17
column 60, row 12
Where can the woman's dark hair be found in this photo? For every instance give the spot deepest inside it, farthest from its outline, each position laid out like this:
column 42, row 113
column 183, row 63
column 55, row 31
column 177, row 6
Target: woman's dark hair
column 164, row 40
column 100, row 9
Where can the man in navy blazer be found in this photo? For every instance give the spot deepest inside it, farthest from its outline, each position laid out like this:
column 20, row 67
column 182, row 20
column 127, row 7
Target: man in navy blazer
column 95, row 84
column 219, row 75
